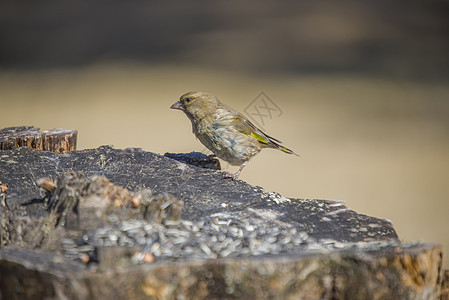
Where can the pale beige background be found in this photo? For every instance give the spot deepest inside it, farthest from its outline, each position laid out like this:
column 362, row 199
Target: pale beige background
column 380, row 145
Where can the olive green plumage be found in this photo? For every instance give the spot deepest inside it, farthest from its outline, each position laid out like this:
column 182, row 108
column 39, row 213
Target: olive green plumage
column 225, row 131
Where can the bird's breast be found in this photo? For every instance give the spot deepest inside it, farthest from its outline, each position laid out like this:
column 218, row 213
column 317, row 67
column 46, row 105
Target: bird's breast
column 226, row 142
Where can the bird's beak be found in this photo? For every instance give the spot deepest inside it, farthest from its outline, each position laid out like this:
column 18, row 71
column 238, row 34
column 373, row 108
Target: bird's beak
column 177, row 105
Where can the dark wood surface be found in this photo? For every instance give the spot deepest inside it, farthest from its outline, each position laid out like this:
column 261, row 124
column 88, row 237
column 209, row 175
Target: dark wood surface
column 367, row 259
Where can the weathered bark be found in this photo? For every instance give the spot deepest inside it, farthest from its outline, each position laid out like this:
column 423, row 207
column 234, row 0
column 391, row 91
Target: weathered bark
column 391, row 272
column 56, row 140
column 445, row 286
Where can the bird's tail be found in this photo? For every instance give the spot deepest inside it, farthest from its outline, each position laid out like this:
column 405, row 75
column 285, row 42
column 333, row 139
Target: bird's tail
column 278, row 146
column 286, row 150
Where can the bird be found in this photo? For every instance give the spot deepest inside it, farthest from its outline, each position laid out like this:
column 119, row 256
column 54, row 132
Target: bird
column 223, row 130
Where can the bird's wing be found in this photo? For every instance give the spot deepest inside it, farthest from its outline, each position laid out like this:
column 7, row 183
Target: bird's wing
column 243, row 125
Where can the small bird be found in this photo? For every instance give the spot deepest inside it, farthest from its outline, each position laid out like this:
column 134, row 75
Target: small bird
column 225, row 131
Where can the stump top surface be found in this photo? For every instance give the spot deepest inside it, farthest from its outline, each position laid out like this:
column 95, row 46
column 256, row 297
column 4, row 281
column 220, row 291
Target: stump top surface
column 204, row 192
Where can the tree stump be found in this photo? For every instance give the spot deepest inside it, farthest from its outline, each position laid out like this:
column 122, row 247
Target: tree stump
column 129, row 224
column 55, row 140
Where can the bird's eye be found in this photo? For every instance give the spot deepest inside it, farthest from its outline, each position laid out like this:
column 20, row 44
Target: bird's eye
column 188, row 100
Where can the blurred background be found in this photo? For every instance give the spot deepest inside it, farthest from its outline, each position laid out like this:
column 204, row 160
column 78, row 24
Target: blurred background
column 360, row 90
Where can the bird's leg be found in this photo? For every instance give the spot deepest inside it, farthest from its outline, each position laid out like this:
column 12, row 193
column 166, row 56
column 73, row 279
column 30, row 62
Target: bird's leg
column 235, row 175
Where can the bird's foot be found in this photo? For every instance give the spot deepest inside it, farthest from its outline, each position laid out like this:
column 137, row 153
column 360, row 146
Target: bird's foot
column 233, row 176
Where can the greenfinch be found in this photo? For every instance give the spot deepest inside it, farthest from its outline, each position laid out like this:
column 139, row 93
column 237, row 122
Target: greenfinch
column 225, row 131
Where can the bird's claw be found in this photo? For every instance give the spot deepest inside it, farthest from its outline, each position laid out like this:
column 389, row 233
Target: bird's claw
column 233, row 176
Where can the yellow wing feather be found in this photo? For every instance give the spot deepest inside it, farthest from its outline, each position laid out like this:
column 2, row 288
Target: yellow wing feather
column 242, row 124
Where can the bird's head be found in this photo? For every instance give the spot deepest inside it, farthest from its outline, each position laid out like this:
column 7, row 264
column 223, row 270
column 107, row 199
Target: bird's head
column 196, row 104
